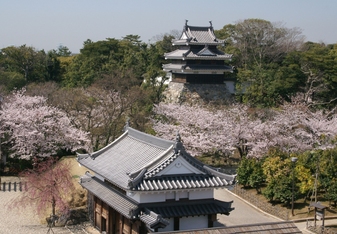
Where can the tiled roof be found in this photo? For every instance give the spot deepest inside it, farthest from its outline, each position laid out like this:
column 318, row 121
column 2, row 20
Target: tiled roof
column 190, row 208
column 113, row 198
column 197, row 35
column 134, row 161
column 196, row 67
column 152, row 219
column 287, row 227
column 129, row 154
column 201, row 54
column 181, row 182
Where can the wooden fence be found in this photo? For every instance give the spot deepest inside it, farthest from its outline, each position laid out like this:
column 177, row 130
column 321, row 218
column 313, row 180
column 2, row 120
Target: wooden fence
column 13, row 186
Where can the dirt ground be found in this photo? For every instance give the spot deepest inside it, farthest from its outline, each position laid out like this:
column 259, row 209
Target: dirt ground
column 78, row 198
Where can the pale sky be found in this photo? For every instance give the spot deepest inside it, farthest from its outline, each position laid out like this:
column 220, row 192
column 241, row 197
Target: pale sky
column 46, row 24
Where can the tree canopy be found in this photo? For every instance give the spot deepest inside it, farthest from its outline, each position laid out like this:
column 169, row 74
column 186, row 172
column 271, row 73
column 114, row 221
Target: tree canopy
column 31, row 128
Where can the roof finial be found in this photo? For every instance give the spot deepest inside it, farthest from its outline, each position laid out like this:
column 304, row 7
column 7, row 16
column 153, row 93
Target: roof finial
column 178, row 138
column 186, row 22
column 210, row 22
column 127, row 124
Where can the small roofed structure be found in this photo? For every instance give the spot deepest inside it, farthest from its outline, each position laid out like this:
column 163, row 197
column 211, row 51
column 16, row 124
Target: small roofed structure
column 197, row 59
column 142, row 183
column 319, row 212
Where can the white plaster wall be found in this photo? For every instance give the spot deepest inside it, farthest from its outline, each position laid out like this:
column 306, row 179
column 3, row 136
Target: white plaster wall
column 161, row 197
column 203, row 194
column 197, row 222
column 181, row 195
column 149, row 197
column 179, row 166
column 170, row 195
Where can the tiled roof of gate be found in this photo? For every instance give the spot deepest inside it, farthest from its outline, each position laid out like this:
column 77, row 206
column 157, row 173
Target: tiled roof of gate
column 133, row 161
column 190, row 208
column 191, row 181
column 128, row 154
column 112, row 197
column 153, row 220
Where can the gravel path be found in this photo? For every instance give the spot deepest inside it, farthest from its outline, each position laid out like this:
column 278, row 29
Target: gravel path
column 25, row 220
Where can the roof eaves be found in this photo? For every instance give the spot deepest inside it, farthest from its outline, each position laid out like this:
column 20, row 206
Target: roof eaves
column 227, row 177
column 152, row 219
column 112, row 197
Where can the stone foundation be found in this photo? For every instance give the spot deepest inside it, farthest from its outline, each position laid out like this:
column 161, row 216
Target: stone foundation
column 197, row 93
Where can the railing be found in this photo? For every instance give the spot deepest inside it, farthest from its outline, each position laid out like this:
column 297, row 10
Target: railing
column 265, row 206
column 13, row 186
column 319, row 228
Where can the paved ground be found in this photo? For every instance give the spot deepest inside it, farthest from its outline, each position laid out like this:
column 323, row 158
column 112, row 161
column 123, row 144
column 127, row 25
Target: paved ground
column 245, row 213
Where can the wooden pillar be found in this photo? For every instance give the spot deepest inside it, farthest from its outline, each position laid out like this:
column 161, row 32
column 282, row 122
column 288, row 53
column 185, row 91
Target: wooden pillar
column 211, row 220
column 120, row 224
column 105, row 218
column 98, row 214
column 135, row 227
column 176, row 223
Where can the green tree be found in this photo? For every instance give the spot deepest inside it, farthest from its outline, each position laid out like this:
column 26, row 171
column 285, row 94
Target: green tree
column 277, row 168
column 259, row 48
column 63, row 51
column 250, row 173
column 328, row 174
column 11, row 80
column 317, row 62
column 25, row 60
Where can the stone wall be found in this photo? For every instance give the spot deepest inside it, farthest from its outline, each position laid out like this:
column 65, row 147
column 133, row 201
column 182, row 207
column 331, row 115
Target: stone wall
column 197, row 93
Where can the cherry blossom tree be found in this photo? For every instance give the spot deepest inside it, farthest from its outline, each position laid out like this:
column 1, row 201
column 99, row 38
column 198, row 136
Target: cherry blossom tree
column 291, row 128
column 206, row 129
column 48, row 187
column 35, row 129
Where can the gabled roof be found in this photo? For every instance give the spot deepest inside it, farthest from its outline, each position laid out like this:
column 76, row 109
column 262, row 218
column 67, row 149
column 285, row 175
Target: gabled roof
column 205, row 53
column 124, row 205
column 128, row 154
column 191, row 68
column 194, row 35
column 137, row 161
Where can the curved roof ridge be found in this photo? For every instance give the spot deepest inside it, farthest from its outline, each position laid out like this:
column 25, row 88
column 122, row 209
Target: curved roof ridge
column 212, row 171
column 157, row 160
column 149, row 139
column 135, row 178
column 160, row 166
column 98, row 152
